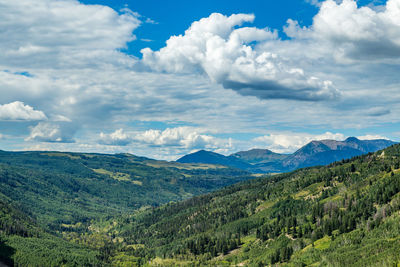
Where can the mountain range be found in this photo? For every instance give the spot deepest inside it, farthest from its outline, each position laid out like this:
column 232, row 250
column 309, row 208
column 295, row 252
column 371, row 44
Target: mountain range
column 312, row 154
column 85, row 209
column 343, row 214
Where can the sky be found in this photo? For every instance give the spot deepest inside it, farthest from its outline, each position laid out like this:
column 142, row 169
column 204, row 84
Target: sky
column 165, row 78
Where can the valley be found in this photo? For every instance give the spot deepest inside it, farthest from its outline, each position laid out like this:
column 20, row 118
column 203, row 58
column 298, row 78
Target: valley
column 93, row 208
column 199, row 133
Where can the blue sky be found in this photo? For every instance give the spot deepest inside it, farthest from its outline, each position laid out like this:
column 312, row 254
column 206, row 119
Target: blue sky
column 174, row 17
column 165, row 78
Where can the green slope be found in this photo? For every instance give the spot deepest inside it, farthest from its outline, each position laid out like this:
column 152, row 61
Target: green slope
column 256, row 156
column 49, row 200
column 345, row 214
column 67, row 188
column 24, row 243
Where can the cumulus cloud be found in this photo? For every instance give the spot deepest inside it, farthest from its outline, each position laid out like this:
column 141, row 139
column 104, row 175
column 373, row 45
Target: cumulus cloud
column 186, row 137
column 46, row 33
column 117, row 138
column 288, row 143
column 51, row 132
column 219, row 47
column 19, row 111
column 69, row 64
column 354, row 33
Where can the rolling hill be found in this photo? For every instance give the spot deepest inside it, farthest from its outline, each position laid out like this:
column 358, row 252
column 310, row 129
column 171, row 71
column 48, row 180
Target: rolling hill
column 344, row 214
column 208, row 157
column 78, row 209
column 67, row 188
column 46, row 197
column 257, row 156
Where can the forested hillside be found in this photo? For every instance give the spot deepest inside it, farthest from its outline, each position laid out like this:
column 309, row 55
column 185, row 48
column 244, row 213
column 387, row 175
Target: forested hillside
column 209, row 157
column 345, row 214
column 47, row 196
column 24, row 243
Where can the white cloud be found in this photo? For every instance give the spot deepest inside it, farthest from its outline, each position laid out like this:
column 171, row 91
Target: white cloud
column 60, row 118
column 184, row 137
column 80, row 78
column 19, row 111
column 219, row 47
column 46, row 33
column 179, row 137
column 372, row 137
column 117, row 138
column 151, row 21
column 170, row 143
column 377, row 111
column 354, row 33
column 50, row 132
column 290, row 142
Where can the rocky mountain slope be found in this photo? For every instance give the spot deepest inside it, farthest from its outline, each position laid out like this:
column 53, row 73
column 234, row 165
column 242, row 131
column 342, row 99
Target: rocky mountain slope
column 312, row 154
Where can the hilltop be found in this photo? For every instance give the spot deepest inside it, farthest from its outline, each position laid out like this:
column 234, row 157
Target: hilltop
column 208, row 157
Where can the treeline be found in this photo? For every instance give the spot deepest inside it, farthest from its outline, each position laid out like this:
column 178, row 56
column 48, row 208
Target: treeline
column 286, row 213
column 63, row 188
column 339, row 211
column 53, row 196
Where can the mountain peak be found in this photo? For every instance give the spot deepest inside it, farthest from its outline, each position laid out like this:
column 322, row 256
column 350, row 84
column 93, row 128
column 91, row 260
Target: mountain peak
column 352, row 139
column 204, row 151
column 314, row 153
column 327, row 151
column 209, row 157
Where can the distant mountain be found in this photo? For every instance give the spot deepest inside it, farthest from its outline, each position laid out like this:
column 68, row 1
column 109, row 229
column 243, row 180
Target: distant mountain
column 344, row 214
column 81, row 209
column 257, row 156
column 262, row 160
column 327, row 151
column 208, row 157
column 314, row 153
